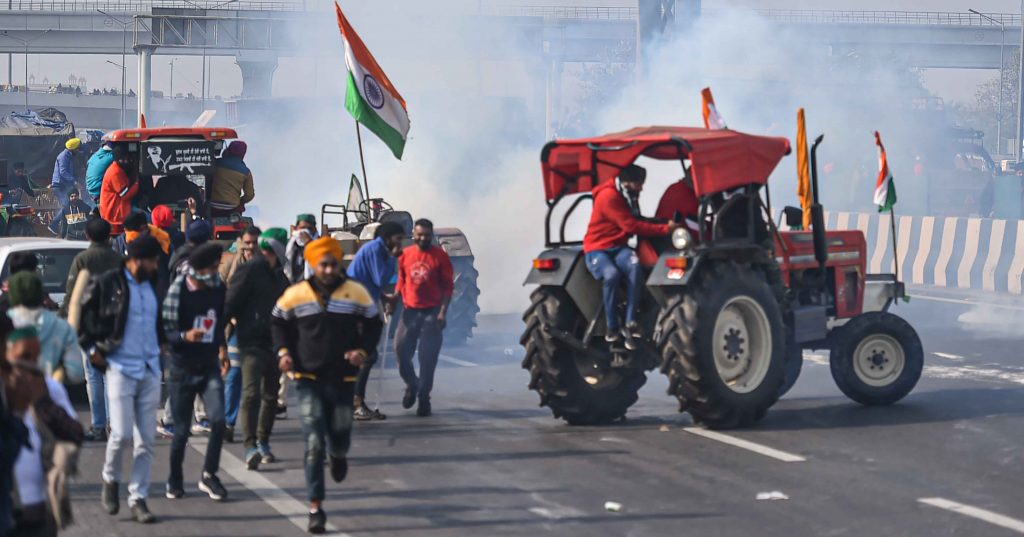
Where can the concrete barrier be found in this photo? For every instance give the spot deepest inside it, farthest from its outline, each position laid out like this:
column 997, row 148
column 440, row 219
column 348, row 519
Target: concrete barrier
column 966, row 253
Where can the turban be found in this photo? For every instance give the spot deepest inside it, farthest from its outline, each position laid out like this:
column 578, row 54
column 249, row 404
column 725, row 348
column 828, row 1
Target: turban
column 275, row 239
column 25, row 332
column 316, row 250
column 199, row 231
column 205, row 256
column 163, row 217
column 144, row 247
column 307, row 218
column 236, row 149
column 26, row 289
column 73, row 144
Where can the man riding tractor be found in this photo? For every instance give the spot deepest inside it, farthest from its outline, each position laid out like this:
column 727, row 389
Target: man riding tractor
column 727, row 308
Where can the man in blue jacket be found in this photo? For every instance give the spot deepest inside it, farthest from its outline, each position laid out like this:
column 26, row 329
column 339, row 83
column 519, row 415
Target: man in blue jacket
column 374, row 267
column 64, row 180
column 97, row 167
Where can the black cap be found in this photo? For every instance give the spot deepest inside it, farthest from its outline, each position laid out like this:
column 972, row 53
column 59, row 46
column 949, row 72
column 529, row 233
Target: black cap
column 205, row 256
column 145, row 247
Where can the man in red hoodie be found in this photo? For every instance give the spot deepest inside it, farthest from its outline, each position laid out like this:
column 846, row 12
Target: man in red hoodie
column 616, row 218
column 425, row 282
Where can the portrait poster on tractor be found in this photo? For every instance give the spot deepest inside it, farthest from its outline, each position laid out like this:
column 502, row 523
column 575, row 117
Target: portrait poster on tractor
column 176, row 158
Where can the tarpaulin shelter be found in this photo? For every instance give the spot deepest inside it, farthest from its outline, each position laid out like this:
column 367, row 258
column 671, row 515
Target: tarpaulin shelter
column 35, row 138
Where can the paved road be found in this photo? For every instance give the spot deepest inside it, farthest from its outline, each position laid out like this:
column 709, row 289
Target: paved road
column 490, row 462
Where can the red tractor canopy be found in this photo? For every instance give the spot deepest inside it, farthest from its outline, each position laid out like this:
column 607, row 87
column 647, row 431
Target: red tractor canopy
column 721, row 159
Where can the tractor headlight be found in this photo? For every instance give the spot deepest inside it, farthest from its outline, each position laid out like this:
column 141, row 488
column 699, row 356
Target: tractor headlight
column 681, row 239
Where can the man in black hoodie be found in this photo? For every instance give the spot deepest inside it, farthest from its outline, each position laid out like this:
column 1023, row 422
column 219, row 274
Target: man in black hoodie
column 194, row 323
column 252, row 292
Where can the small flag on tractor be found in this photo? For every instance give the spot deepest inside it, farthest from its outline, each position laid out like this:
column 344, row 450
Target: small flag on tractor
column 712, row 120
column 370, row 97
column 356, row 199
column 885, row 189
column 803, row 169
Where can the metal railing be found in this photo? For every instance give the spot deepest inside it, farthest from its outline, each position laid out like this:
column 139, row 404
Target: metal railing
column 910, row 18
column 563, row 12
column 212, row 32
column 142, row 6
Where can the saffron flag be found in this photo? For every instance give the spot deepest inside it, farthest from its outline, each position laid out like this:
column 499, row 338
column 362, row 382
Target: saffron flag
column 712, row 120
column 885, row 189
column 803, row 169
column 370, row 97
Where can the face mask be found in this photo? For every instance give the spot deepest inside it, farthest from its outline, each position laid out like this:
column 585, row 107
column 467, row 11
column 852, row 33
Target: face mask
column 202, row 278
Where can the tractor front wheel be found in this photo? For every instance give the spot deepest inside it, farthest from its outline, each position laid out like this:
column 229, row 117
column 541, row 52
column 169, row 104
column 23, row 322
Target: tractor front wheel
column 876, row 358
column 723, row 345
column 577, row 387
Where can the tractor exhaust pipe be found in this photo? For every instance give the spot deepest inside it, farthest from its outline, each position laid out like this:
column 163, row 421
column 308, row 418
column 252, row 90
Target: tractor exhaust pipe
column 817, row 212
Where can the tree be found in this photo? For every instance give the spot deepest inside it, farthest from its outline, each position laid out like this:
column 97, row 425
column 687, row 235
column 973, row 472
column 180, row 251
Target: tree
column 983, row 114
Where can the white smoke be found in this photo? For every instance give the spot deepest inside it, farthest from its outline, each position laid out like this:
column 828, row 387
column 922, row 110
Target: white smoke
column 475, row 90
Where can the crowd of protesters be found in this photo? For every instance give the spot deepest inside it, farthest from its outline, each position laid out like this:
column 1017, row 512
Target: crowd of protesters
column 151, row 311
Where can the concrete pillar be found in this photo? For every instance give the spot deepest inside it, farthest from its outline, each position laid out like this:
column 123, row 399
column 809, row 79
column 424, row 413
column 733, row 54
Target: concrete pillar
column 257, row 72
column 145, row 54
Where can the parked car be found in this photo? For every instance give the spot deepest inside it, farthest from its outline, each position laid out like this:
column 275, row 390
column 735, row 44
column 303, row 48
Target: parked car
column 55, row 257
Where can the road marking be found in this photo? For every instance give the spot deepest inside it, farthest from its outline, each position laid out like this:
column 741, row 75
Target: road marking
column 282, row 502
column 946, row 355
column 554, row 510
column 745, row 444
column 965, row 302
column 456, row 361
column 976, row 512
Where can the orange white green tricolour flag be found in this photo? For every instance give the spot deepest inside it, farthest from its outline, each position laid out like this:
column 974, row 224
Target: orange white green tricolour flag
column 712, row 120
column 803, row 169
column 885, row 188
column 370, row 97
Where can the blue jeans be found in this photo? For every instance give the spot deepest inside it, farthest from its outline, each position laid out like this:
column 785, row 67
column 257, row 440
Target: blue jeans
column 62, row 191
column 233, row 383
column 610, row 266
column 184, row 386
column 325, row 409
column 96, row 386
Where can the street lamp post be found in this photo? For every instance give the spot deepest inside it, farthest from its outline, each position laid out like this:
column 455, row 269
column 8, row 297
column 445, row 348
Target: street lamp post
column 171, row 91
column 26, row 43
column 999, row 107
column 124, row 48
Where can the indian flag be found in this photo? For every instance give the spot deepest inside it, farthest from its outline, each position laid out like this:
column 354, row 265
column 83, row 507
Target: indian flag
column 885, row 189
column 712, row 119
column 370, row 96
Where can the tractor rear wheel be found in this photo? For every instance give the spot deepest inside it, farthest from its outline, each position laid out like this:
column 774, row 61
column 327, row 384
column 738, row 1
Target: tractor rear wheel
column 578, row 388
column 876, row 358
column 722, row 344
column 463, row 308
column 20, row 227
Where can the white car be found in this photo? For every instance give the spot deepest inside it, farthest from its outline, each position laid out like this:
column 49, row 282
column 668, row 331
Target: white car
column 55, row 257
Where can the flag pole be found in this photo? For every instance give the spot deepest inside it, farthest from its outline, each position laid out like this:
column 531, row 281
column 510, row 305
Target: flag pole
column 895, row 244
column 362, row 161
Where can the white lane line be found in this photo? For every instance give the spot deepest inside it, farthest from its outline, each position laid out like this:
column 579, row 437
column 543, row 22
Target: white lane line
column 745, row 444
column 456, row 361
column 995, row 519
column 967, row 372
column 553, row 510
column 282, row 502
column 948, row 356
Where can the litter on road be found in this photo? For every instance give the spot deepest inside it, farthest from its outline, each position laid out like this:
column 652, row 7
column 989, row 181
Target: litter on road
column 773, row 495
column 613, row 507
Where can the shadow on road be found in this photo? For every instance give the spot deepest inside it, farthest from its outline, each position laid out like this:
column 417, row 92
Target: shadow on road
column 461, row 458
column 924, row 407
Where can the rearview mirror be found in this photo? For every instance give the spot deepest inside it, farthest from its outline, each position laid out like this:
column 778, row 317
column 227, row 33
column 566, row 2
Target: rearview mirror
column 794, row 217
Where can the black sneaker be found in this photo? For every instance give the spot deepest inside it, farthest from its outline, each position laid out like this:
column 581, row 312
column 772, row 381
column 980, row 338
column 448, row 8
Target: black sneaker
column 229, row 434
column 409, row 398
column 210, row 484
column 141, row 513
column 424, row 409
column 96, row 434
column 174, row 492
column 613, row 338
column 633, row 336
column 363, row 413
column 339, row 468
column 317, row 522
column 282, row 412
column 110, row 499
column 253, row 459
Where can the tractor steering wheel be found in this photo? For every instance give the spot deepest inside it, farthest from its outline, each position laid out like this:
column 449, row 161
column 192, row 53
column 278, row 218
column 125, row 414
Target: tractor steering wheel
column 374, row 207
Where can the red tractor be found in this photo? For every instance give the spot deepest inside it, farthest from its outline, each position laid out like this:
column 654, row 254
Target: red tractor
column 728, row 309
column 173, row 164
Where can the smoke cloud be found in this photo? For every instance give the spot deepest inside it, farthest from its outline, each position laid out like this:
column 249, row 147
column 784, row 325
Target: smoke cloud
column 476, row 93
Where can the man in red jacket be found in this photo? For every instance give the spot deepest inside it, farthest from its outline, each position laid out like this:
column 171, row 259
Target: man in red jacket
column 425, row 283
column 616, row 218
column 117, row 193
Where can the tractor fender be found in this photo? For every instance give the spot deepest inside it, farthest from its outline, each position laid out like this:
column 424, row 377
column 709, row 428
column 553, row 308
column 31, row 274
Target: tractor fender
column 570, row 272
column 880, row 291
column 453, row 241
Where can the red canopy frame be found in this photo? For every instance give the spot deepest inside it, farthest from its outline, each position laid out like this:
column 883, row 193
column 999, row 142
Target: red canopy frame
column 721, row 160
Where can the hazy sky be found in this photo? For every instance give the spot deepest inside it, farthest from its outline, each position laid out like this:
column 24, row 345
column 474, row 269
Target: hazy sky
column 298, row 75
